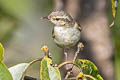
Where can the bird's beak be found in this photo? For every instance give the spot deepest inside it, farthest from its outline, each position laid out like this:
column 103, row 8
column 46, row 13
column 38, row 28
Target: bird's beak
column 45, row 18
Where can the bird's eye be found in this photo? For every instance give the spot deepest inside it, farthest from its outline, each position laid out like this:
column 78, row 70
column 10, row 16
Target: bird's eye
column 57, row 19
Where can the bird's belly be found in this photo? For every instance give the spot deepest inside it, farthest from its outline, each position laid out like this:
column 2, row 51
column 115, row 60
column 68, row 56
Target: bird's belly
column 66, row 37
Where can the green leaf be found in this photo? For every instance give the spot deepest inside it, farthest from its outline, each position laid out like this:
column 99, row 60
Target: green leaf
column 113, row 9
column 4, row 73
column 87, row 67
column 18, row 70
column 1, row 52
column 117, row 17
column 99, row 77
column 48, row 72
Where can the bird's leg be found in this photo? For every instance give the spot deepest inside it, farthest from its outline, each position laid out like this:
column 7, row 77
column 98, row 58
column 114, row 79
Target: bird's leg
column 69, row 70
column 66, row 56
column 65, row 53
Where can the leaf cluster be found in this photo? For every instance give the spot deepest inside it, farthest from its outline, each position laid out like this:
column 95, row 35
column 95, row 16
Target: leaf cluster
column 49, row 71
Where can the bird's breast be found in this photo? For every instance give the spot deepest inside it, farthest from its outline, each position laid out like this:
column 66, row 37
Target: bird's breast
column 66, row 36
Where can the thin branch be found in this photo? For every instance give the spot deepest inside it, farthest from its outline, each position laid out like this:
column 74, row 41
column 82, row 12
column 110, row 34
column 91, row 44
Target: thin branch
column 68, row 62
column 30, row 63
column 34, row 61
column 65, row 63
column 80, row 46
column 68, row 74
column 112, row 24
column 70, row 71
column 89, row 76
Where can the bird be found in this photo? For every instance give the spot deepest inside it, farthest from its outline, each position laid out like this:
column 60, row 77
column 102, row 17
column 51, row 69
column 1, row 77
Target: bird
column 66, row 32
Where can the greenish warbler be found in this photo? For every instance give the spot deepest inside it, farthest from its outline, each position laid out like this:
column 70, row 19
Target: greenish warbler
column 66, row 32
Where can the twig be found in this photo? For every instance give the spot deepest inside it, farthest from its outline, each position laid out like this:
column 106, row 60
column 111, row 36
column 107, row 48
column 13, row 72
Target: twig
column 89, row 76
column 112, row 24
column 68, row 74
column 80, row 46
column 70, row 71
column 30, row 63
column 34, row 61
column 67, row 62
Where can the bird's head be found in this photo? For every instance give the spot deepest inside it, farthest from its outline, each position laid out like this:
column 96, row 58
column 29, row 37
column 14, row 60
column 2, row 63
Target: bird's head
column 59, row 18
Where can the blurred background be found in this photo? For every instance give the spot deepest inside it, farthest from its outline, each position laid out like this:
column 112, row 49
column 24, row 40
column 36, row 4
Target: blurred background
column 23, row 33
